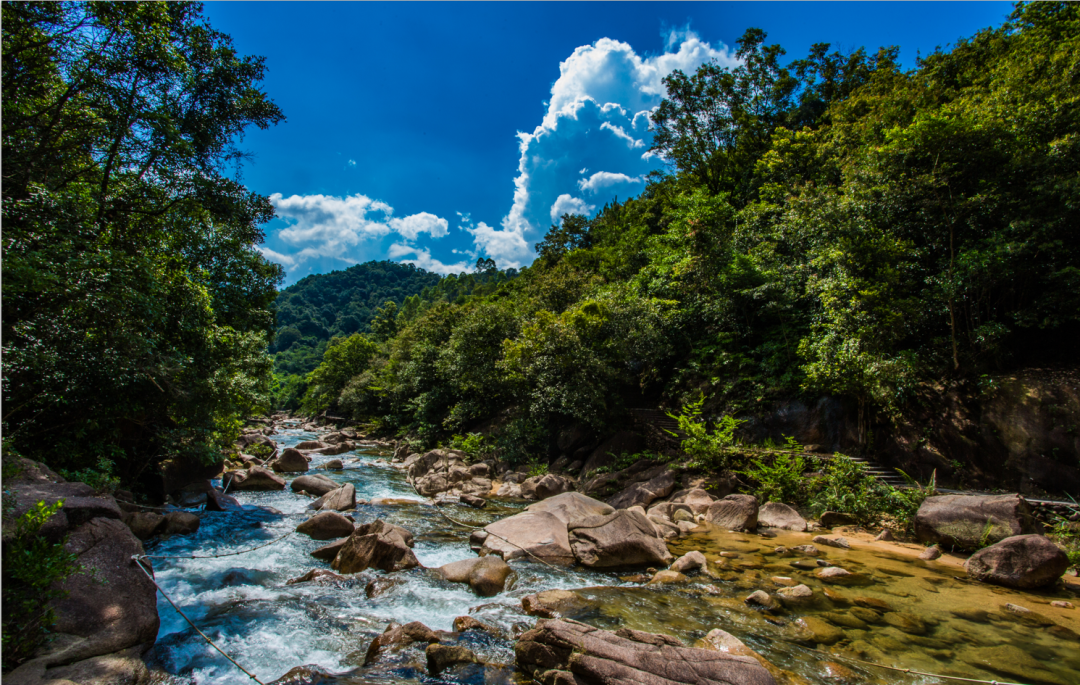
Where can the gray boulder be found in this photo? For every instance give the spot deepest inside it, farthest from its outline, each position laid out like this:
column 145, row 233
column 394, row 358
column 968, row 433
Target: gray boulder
column 290, row 460
column 1022, row 561
column 485, row 575
column 374, row 545
column 625, row 538
column 734, row 512
column 326, row 525
column 531, row 533
column 317, row 484
column 642, row 494
column 972, row 521
column 542, row 487
column 572, row 505
column 341, row 499
column 253, row 478
column 778, row 515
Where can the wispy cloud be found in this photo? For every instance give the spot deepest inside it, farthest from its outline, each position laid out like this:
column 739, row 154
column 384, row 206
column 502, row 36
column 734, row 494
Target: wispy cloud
column 424, row 260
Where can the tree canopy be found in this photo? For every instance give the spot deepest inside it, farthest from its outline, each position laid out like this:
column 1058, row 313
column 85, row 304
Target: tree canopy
column 136, row 309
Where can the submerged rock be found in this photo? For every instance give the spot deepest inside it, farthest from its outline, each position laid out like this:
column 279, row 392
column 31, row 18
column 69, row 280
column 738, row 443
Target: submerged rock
column 587, row 654
column 1022, row 561
column 557, row 604
column 320, row 575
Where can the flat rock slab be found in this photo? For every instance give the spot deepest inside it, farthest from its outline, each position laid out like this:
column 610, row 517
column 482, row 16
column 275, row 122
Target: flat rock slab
column 629, row 657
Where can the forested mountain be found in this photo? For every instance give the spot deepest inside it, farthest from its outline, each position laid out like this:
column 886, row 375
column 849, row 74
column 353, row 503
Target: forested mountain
column 374, row 299
column 834, row 225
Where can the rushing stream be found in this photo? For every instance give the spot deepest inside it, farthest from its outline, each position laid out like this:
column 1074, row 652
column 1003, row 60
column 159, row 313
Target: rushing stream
column 936, row 621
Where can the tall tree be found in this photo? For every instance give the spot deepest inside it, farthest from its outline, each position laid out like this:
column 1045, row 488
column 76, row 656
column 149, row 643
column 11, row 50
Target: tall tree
column 135, row 305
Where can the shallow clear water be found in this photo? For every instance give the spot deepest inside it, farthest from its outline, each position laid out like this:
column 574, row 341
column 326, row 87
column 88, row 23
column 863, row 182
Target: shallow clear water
column 243, row 603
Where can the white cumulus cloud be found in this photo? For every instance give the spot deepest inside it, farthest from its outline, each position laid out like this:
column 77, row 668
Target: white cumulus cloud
column 412, row 226
column 567, row 204
column 596, row 117
column 604, row 179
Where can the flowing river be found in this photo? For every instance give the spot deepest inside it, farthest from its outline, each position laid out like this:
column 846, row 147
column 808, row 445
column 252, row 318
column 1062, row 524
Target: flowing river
column 928, row 617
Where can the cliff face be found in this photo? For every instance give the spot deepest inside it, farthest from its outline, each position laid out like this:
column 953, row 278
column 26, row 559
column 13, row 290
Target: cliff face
column 1019, row 431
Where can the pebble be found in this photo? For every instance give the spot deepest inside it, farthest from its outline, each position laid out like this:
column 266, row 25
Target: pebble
column 1061, row 604
column 930, row 553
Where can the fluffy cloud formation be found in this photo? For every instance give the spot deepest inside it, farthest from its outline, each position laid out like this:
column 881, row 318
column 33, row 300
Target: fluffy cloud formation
column 597, row 117
column 605, row 179
column 566, row 204
column 327, row 226
column 412, row 226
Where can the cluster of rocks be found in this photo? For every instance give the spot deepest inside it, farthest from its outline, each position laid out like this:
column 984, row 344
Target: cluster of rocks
column 445, row 471
column 108, row 617
column 263, row 474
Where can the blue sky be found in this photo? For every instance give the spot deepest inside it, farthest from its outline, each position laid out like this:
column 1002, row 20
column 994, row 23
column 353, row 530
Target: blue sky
column 436, row 133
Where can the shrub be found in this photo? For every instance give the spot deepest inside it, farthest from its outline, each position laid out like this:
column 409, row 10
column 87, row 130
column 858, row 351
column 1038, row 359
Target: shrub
column 473, row 445
column 780, row 481
column 706, row 449
column 846, row 487
column 32, row 567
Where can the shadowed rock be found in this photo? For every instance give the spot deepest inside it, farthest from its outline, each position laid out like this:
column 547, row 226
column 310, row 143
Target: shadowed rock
column 1022, row 561
column 253, row 478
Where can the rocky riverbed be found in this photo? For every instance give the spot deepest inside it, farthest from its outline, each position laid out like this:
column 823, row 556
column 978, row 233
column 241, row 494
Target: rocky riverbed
column 324, row 565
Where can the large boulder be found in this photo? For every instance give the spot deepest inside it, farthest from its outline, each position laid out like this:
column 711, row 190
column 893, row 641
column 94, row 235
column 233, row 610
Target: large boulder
column 111, row 604
column 291, row 460
column 307, row 445
column 624, row 538
column 572, row 505
column 342, row 499
column 734, row 512
column 485, row 575
column 972, row 521
column 333, row 450
column 253, row 478
column 778, row 515
column 547, row 485
column 180, row 523
column 375, row 545
column 144, row 524
column 644, row 493
column 723, row 641
column 80, row 504
column 538, row 534
column 326, row 525
column 1021, row 561
column 697, row 499
column 317, row 484
column 566, row 651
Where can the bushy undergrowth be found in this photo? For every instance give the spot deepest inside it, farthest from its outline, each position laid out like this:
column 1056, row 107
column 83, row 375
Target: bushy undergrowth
column 32, row 567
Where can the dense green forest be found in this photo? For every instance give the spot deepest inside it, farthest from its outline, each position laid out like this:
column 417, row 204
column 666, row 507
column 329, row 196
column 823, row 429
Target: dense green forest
column 375, row 299
column 136, row 309
column 832, row 225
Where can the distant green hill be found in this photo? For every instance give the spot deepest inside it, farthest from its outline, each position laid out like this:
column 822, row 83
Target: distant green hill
column 339, row 303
